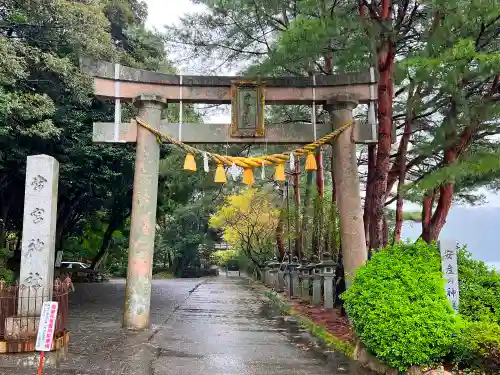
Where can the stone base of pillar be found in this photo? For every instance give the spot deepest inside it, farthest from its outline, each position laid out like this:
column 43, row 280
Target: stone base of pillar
column 59, row 344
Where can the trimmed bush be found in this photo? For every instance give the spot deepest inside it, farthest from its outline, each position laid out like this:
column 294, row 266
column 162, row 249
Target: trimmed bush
column 478, row 345
column 479, row 289
column 398, row 306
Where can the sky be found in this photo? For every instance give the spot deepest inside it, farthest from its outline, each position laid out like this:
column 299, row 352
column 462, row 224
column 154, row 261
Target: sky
column 166, row 12
column 474, row 226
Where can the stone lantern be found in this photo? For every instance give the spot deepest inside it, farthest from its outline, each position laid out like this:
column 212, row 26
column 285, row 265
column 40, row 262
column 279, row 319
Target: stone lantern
column 274, row 266
column 327, row 267
column 298, row 286
column 267, row 276
column 286, row 272
column 316, row 280
column 305, row 276
column 294, row 274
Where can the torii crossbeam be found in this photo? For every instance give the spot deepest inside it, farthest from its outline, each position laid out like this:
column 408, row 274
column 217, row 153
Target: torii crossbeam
column 151, row 92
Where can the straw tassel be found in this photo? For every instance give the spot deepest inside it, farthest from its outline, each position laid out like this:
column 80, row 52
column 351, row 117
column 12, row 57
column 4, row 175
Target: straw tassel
column 311, row 162
column 248, row 176
column 279, row 174
column 220, row 174
column 189, row 163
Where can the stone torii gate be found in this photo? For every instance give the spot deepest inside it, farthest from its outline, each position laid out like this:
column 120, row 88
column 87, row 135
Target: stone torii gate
column 151, row 92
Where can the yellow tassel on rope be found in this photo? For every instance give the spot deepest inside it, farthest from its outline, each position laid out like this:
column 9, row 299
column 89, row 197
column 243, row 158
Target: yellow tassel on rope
column 220, row 174
column 189, row 163
column 252, row 162
column 248, row 176
column 311, row 162
column 279, row 174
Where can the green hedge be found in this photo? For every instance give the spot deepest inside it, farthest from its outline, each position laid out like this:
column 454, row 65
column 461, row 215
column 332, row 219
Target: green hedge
column 398, row 306
column 478, row 345
column 479, row 289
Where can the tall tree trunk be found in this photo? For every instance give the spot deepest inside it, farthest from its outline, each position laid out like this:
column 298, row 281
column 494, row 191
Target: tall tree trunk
column 372, row 158
column 280, row 241
column 306, row 210
column 333, row 213
column 318, row 204
column 385, row 238
column 296, row 188
column 427, row 204
column 64, row 214
column 320, row 176
column 386, row 54
column 4, row 212
column 432, row 227
column 403, row 147
column 106, row 239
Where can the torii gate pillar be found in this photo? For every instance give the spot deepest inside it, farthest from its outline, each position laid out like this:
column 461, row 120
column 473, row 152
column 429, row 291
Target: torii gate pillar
column 143, row 220
column 345, row 169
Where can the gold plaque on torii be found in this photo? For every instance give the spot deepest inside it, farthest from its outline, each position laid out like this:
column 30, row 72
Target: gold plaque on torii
column 247, row 109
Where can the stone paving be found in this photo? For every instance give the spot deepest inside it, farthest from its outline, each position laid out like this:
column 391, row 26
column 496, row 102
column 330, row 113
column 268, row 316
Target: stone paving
column 216, row 326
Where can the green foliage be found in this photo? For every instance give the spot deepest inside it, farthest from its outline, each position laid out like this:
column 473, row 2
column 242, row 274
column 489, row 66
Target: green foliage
column 398, row 306
column 444, row 73
column 479, row 289
column 478, row 345
column 222, row 257
column 5, row 274
column 47, row 106
column 248, row 220
column 163, row 276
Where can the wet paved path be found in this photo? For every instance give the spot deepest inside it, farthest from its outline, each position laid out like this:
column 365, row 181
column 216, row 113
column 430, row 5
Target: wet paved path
column 213, row 326
column 224, row 328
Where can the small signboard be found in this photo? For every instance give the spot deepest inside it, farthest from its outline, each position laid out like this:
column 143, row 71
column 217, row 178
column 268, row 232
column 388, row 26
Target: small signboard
column 449, row 267
column 47, row 327
column 247, row 99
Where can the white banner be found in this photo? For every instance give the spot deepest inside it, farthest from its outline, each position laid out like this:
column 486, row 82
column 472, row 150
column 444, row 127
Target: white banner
column 449, row 267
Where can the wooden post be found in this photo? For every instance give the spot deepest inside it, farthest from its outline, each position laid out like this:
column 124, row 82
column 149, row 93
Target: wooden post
column 352, row 233
column 143, row 221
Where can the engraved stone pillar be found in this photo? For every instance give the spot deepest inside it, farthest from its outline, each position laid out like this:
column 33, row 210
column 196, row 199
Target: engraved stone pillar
column 316, row 297
column 328, row 273
column 294, row 277
column 143, row 220
column 306, row 279
column 297, row 282
column 328, row 291
column 281, row 281
column 304, row 288
column 272, row 278
column 267, row 276
column 273, row 273
column 288, row 281
column 39, row 234
column 352, row 232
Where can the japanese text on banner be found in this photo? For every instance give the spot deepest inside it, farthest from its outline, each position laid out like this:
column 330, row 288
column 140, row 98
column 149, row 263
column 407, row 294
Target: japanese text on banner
column 450, row 269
